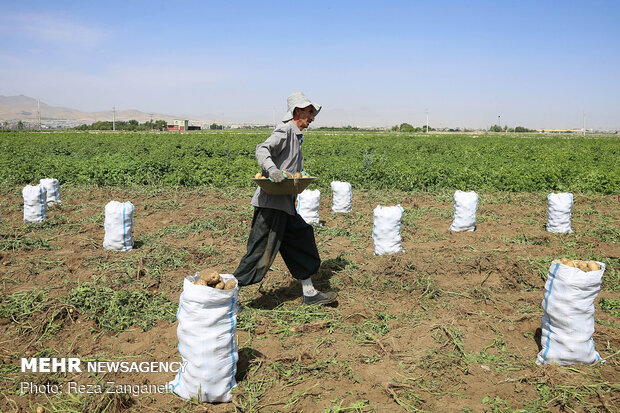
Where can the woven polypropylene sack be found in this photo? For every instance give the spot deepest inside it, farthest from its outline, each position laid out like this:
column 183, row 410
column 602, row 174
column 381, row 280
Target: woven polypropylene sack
column 118, row 226
column 35, row 203
column 559, row 207
column 342, row 197
column 568, row 318
column 206, row 333
column 465, row 208
column 53, row 190
column 308, row 203
column 386, row 229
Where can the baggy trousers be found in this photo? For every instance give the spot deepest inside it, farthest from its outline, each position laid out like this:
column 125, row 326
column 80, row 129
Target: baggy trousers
column 272, row 231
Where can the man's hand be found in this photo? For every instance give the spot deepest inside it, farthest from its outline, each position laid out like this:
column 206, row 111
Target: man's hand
column 276, row 175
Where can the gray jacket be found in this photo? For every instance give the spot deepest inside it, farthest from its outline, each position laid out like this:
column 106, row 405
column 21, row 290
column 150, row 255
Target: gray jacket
column 283, row 151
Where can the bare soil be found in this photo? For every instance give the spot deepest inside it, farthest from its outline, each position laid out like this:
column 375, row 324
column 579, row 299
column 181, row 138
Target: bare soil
column 450, row 324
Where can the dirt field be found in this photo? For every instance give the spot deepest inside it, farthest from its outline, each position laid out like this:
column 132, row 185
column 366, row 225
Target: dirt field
column 451, row 324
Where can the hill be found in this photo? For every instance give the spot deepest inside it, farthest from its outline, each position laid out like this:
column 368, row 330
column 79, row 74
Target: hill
column 24, row 108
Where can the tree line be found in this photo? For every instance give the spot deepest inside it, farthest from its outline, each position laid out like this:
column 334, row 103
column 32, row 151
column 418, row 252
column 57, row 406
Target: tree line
column 406, row 127
column 130, row 125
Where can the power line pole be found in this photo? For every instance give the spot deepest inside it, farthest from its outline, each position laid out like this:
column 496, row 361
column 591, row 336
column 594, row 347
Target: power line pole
column 113, row 117
column 426, row 120
column 584, row 123
column 39, row 112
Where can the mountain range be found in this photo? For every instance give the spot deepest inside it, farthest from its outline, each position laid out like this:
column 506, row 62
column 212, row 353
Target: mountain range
column 24, row 108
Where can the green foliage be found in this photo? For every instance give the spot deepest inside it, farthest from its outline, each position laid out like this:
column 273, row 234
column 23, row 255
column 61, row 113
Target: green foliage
column 25, row 244
column 131, row 125
column 23, row 304
column 119, row 310
column 611, row 305
column 405, row 127
column 522, row 129
column 368, row 160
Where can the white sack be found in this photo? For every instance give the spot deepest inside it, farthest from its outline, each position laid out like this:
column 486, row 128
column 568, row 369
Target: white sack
column 568, row 318
column 53, row 189
column 342, row 197
column 206, row 333
column 308, row 205
column 118, row 226
column 35, row 200
column 465, row 207
column 386, row 229
column 559, row 208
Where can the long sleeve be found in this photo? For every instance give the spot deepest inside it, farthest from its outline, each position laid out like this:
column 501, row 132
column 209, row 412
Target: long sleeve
column 282, row 150
column 270, row 149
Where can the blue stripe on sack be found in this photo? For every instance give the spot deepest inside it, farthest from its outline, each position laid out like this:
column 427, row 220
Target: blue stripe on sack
column 41, row 201
column 570, row 213
column 178, row 380
column 598, row 358
column 131, row 222
column 178, row 377
column 557, row 265
column 548, row 198
column 124, row 243
column 232, row 343
column 350, row 196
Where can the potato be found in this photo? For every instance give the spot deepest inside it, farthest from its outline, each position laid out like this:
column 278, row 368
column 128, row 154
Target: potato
column 200, row 282
column 258, row 176
column 220, row 285
column 230, row 284
column 583, row 266
column 297, row 175
column 288, row 175
column 211, row 276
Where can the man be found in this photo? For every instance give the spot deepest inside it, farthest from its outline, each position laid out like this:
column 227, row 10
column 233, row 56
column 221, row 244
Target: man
column 276, row 225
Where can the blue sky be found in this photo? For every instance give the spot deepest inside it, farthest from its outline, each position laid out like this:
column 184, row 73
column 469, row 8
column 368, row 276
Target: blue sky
column 539, row 64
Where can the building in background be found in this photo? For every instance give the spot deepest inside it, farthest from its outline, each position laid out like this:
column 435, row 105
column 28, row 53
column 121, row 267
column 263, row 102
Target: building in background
column 179, row 125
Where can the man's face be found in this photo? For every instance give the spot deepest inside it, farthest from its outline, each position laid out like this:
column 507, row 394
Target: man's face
column 304, row 117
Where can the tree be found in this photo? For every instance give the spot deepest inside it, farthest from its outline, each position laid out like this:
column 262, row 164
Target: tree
column 215, row 126
column 495, row 128
column 405, row 127
column 161, row 124
column 20, row 125
column 133, row 124
column 522, row 129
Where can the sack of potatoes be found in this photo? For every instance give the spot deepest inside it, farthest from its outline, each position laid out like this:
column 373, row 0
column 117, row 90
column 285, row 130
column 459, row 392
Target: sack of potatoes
column 213, row 279
column 585, row 266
